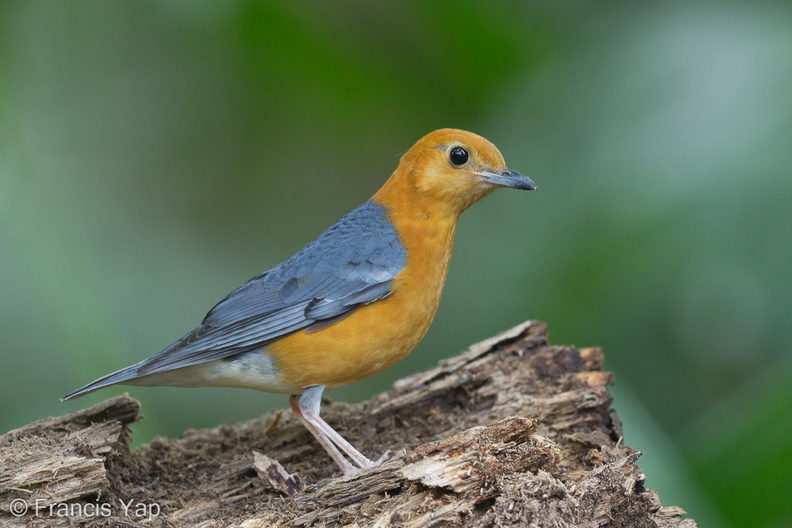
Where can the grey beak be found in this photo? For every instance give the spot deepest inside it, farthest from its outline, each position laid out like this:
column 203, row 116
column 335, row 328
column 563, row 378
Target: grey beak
column 508, row 178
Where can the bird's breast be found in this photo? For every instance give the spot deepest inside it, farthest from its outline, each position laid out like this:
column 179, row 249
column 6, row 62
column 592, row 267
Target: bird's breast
column 375, row 336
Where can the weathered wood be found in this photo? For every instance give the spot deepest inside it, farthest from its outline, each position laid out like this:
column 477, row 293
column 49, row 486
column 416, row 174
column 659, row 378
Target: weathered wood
column 57, row 460
column 511, row 432
column 271, row 471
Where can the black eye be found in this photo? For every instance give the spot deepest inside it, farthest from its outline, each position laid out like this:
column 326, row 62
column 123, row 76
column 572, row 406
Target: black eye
column 458, row 156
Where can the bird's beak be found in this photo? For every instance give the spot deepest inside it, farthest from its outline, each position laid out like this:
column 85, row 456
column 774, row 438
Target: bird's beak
column 507, row 178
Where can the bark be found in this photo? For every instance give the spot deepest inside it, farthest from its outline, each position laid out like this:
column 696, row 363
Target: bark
column 511, row 432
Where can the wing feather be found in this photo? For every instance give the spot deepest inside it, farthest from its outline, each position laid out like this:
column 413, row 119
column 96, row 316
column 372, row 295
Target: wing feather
column 352, row 264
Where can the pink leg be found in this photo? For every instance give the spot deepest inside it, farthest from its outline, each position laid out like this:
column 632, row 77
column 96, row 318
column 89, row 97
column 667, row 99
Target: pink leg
column 306, row 408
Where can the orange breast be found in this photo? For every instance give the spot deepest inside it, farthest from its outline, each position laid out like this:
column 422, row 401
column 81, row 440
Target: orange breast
column 376, row 336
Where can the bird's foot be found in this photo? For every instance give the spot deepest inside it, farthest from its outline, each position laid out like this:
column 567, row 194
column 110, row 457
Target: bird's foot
column 387, row 456
column 351, row 469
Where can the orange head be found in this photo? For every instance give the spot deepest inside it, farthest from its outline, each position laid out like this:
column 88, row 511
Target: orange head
column 452, row 169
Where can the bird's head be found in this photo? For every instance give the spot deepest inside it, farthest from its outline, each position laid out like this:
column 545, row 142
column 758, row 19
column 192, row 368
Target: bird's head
column 454, row 168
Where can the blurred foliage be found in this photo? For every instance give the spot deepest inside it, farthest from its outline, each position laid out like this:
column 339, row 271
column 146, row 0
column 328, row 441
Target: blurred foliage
column 154, row 155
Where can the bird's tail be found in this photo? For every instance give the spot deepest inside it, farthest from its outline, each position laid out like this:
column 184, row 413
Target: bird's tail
column 118, row 376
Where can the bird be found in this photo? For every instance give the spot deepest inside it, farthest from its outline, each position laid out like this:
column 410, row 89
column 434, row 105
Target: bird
column 351, row 303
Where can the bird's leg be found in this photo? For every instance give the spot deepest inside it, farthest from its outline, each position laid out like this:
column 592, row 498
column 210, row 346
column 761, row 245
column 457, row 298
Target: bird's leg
column 332, row 450
column 306, row 408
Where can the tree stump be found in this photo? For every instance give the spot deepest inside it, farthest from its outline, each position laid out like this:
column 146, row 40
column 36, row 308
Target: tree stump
column 511, row 432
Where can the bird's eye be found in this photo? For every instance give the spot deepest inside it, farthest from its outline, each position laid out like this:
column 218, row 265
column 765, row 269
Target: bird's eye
column 458, row 156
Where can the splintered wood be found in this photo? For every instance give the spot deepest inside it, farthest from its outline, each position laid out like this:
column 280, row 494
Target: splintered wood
column 511, row 432
column 271, row 471
column 473, row 459
column 467, row 464
column 62, row 459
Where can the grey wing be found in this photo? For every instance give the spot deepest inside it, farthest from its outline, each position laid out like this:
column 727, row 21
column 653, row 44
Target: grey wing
column 351, row 264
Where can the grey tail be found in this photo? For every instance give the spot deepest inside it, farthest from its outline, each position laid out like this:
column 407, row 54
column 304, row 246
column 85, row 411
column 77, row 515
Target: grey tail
column 118, row 376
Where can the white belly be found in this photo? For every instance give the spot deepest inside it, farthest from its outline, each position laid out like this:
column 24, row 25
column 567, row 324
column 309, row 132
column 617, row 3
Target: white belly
column 253, row 370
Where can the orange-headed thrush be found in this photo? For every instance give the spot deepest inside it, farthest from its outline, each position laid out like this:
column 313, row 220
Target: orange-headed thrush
column 351, row 303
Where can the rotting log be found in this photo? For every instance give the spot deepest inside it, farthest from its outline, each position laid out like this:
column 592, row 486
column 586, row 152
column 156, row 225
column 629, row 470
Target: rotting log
column 511, row 432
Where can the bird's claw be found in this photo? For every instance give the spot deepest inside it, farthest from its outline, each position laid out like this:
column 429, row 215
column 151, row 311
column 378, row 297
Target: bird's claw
column 387, row 456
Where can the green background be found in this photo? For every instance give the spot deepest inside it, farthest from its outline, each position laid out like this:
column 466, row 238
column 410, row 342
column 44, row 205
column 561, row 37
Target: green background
column 155, row 155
